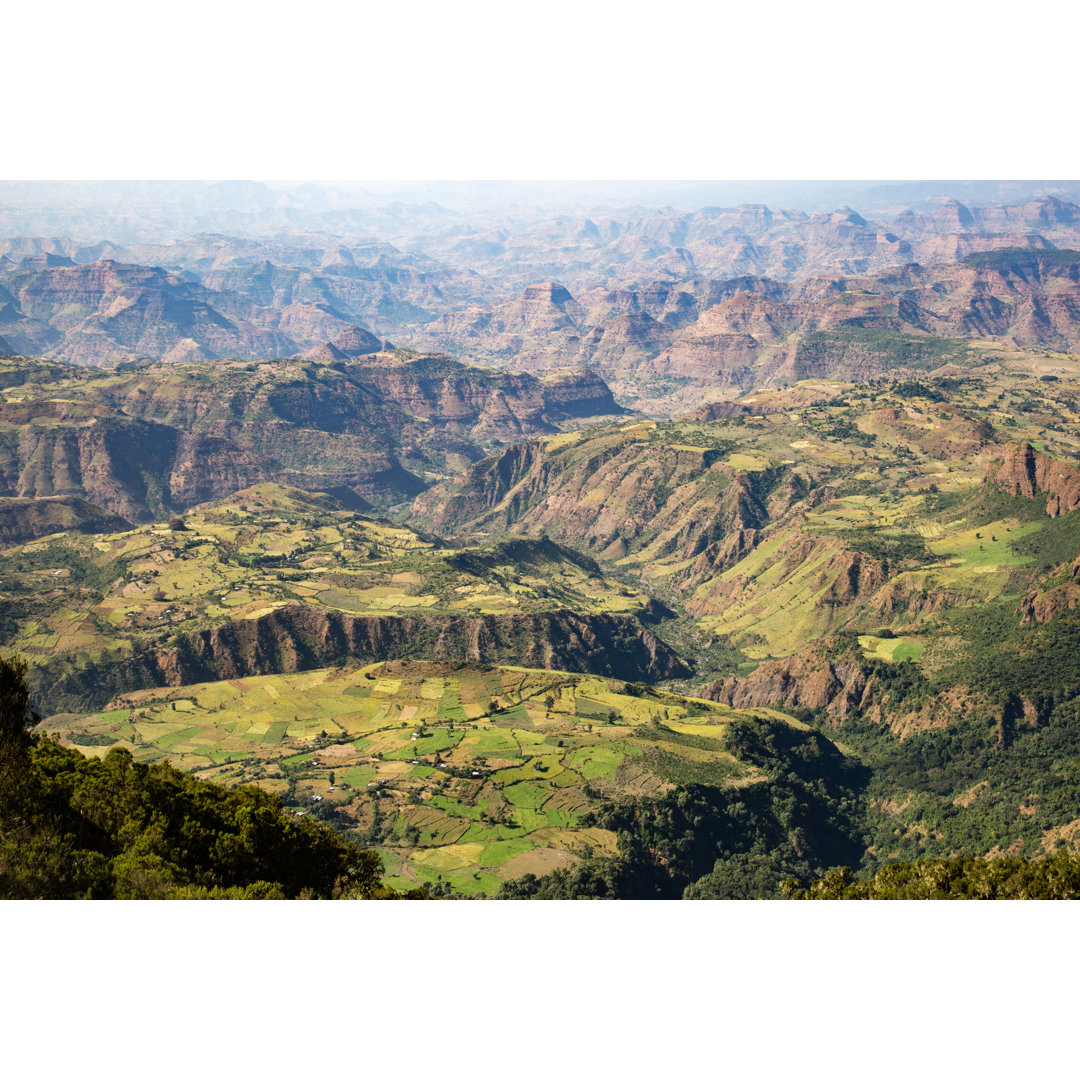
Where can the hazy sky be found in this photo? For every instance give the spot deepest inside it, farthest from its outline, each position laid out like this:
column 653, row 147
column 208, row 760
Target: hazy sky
column 550, row 90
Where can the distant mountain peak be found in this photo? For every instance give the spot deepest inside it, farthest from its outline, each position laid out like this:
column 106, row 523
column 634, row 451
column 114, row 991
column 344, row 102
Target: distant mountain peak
column 354, row 341
column 550, row 291
column 845, row 213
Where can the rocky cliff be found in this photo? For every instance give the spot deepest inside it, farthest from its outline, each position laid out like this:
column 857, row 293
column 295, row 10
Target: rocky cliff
column 136, row 469
column 1026, row 472
column 300, row 638
column 808, row 680
column 145, row 443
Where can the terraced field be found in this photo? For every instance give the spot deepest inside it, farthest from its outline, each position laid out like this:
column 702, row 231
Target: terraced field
column 465, row 775
column 825, row 507
column 77, row 598
column 888, row 561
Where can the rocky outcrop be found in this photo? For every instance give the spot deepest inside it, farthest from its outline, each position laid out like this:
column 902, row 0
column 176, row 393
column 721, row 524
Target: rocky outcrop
column 808, row 680
column 848, row 576
column 541, row 308
column 307, row 322
column 1026, row 472
column 846, row 688
column 718, row 556
column 904, row 597
column 726, row 339
column 1044, row 603
column 488, row 407
column 352, row 342
column 301, row 638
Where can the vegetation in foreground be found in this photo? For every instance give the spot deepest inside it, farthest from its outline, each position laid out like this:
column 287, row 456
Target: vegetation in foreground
column 1056, row 877
column 73, row 827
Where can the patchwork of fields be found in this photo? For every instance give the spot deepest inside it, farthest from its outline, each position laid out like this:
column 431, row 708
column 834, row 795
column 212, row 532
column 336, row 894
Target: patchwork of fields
column 465, row 775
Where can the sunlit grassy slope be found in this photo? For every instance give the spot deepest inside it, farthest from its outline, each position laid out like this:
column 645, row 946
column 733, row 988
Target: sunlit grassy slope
column 467, row 774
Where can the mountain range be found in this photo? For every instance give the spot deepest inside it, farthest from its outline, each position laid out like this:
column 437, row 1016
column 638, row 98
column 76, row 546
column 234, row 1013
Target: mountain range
column 633, row 551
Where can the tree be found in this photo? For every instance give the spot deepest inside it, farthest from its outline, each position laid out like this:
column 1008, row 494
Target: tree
column 16, row 716
column 115, row 827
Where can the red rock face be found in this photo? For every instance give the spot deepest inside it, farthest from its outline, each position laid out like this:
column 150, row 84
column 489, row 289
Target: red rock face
column 1026, row 472
column 806, row 680
column 661, row 345
column 131, row 468
column 151, row 442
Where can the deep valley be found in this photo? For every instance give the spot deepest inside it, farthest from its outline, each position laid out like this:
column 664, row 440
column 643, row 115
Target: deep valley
column 632, row 553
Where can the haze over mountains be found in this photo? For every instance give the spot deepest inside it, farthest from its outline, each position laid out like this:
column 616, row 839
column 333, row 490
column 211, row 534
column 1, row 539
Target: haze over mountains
column 560, row 541
column 154, row 210
column 653, row 299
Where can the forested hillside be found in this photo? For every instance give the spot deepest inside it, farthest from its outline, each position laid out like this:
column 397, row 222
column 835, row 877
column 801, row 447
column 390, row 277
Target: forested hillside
column 73, row 827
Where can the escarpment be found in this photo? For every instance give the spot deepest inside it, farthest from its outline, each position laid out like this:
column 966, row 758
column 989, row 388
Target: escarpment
column 145, row 444
column 300, row 638
column 137, row 470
